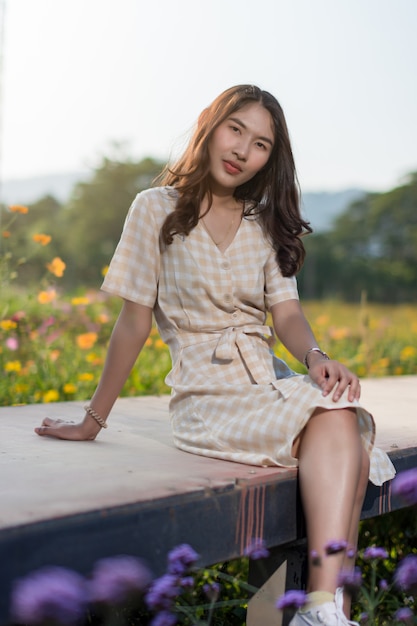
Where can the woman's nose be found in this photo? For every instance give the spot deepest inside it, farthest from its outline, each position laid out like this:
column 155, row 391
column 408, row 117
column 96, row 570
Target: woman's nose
column 241, row 152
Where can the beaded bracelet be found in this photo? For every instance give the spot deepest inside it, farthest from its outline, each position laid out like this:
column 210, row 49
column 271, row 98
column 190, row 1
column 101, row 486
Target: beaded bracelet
column 100, row 421
column 326, row 356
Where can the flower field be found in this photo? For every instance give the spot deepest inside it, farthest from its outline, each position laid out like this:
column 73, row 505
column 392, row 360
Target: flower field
column 52, row 346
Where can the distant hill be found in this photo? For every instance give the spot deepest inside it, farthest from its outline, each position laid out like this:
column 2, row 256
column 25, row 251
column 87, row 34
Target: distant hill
column 29, row 190
column 319, row 207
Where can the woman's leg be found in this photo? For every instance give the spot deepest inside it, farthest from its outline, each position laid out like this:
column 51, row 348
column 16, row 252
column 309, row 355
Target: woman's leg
column 331, row 473
column 349, row 561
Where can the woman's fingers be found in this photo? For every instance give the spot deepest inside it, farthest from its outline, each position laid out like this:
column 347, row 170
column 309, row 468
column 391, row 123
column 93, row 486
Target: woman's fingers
column 333, row 376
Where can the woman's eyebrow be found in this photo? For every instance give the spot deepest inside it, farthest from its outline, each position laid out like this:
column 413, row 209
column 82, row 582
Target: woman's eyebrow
column 236, row 120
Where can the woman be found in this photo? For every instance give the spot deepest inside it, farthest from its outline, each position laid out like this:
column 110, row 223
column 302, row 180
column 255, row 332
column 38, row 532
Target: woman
column 210, row 253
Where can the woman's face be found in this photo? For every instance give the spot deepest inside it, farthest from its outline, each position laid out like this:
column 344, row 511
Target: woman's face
column 239, row 147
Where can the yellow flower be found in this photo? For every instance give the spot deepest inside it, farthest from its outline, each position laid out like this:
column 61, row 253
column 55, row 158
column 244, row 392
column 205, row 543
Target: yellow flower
column 94, row 358
column 80, row 301
column 322, row 320
column 18, row 208
column 148, row 342
column 69, row 388
column 104, row 270
column 86, row 340
column 159, row 344
column 383, row 362
column 21, row 388
column 6, row 234
column 407, row 353
column 86, row 376
column 52, row 395
column 56, row 267
column 46, row 296
column 13, row 366
column 42, row 239
column 8, row 324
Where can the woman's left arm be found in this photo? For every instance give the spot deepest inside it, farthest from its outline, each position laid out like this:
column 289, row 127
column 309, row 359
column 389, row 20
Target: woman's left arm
column 294, row 331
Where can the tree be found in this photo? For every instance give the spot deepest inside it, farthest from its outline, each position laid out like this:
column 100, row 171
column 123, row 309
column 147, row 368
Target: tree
column 372, row 247
column 95, row 214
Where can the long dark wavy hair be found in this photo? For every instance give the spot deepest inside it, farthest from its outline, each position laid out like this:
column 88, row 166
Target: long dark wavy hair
column 272, row 195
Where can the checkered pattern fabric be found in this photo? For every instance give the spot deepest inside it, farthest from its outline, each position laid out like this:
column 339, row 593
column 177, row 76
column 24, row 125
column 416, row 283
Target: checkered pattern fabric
column 231, row 397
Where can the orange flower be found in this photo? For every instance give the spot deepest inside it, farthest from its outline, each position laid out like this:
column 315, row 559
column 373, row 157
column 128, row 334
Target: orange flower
column 56, row 267
column 41, row 238
column 6, row 234
column 86, row 341
column 18, row 208
column 46, row 296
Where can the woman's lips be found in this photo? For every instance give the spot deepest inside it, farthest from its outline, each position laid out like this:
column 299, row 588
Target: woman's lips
column 231, row 167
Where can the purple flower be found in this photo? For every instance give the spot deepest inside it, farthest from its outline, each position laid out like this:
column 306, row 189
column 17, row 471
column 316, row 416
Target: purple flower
column 351, row 580
column 212, row 591
column 181, row 558
column 404, row 614
column 373, row 552
column 162, row 592
column 187, row 582
column 315, row 558
column 405, row 486
column 335, row 546
column 256, row 550
column 383, row 585
column 292, row 599
column 115, row 578
column 50, row 593
column 405, row 576
column 363, row 618
column 164, row 618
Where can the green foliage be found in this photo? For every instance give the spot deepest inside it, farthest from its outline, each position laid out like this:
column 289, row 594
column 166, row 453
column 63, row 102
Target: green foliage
column 397, row 533
column 372, row 247
column 94, row 216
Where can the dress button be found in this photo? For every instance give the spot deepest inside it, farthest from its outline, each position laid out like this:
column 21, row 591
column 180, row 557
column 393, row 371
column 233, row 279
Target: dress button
column 228, row 297
column 225, row 265
column 235, row 315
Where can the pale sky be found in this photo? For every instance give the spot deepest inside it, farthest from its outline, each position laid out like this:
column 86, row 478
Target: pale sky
column 81, row 74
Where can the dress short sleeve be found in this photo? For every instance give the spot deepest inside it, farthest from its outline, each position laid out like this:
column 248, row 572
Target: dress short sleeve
column 134, row 269
column 277, row 287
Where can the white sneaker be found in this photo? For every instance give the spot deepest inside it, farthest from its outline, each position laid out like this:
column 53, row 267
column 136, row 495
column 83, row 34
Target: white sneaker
column 327, row 614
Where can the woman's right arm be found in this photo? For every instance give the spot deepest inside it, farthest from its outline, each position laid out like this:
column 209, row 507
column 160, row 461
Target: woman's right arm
column 129, row 334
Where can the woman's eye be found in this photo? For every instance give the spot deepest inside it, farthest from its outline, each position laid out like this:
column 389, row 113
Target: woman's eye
column 235, row 129
column 261, row 145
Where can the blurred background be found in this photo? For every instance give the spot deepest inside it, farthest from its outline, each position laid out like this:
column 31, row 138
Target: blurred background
column 96, row 95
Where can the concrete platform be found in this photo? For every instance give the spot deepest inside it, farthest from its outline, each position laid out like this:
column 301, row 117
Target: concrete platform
column 135, row 458
column 131, row 491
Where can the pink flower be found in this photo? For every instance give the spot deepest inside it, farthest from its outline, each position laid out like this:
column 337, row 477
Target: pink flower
column 12, row 343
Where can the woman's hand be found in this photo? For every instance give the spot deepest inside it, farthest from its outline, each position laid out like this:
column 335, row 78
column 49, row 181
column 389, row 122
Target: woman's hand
column 87, row 430
column 331, row 375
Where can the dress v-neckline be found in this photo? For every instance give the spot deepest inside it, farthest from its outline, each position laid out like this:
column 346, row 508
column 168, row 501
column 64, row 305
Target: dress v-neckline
column 208, row 236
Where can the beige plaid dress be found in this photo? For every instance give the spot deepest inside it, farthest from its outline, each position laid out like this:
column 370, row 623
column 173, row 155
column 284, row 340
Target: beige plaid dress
column 231, row 398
